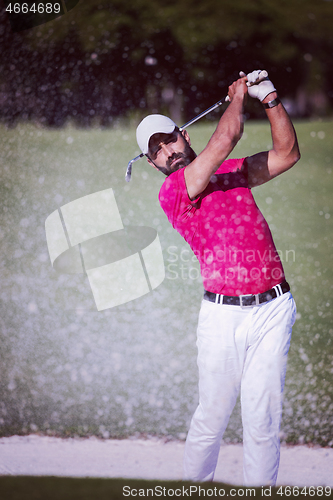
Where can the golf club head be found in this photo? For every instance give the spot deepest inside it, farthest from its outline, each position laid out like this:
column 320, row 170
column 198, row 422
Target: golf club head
column 129, row 167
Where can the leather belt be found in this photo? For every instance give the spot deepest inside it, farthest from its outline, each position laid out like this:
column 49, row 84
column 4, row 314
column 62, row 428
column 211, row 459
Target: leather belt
column 248, row 300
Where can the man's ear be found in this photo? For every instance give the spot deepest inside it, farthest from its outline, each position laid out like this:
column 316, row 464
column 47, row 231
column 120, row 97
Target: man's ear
column 186, row 137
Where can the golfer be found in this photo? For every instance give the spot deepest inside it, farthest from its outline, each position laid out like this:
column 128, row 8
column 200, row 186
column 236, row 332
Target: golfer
column 247, row 311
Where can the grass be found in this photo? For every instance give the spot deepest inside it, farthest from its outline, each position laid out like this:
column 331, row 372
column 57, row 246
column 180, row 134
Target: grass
column 132, row 369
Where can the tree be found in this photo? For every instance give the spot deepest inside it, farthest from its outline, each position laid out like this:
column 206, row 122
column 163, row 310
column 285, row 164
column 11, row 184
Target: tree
column 110, row 59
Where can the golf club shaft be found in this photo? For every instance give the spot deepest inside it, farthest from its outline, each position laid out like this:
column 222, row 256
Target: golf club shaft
column 262, row 77
column 204, row 113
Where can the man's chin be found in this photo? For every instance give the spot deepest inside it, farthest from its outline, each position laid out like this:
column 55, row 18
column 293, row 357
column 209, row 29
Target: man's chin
column 177, row 166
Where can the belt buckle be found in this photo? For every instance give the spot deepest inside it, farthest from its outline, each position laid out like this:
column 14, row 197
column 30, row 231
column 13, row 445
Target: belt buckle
column 253, row 303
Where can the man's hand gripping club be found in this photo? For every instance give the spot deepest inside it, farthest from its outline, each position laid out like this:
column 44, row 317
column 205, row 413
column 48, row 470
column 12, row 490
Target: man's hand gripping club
column 259, row 85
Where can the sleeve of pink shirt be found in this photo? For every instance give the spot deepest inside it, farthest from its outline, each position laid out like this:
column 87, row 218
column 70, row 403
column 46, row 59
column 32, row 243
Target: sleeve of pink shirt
column 173, row 194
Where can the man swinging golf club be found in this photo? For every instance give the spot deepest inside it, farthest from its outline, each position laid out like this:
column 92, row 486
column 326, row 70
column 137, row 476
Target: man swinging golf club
column 247, row 311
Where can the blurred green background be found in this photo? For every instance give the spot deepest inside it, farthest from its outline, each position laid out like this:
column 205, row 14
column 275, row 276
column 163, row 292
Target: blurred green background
column 103, row 62
column 67, row 369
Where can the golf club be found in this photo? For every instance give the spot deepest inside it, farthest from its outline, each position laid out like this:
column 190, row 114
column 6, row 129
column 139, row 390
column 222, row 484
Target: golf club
column 129, row 167
column 262, row 76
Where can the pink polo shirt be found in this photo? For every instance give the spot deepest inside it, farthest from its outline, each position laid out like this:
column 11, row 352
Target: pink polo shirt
column 226, row 231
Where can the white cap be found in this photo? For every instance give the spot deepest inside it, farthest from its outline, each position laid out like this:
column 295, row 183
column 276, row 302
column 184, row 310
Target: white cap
column 153, row 124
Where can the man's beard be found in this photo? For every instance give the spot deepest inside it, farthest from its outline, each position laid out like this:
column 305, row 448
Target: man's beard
column 185, row 159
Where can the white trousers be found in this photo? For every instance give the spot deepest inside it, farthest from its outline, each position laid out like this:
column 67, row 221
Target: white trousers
column 240, row 349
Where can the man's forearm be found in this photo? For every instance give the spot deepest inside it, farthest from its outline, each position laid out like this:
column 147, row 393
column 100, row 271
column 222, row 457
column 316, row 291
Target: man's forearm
column 230, row 127
column 285, row 145
column 220, row 145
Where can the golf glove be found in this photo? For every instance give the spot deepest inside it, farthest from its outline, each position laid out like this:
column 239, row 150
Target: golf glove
column 258, row 90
